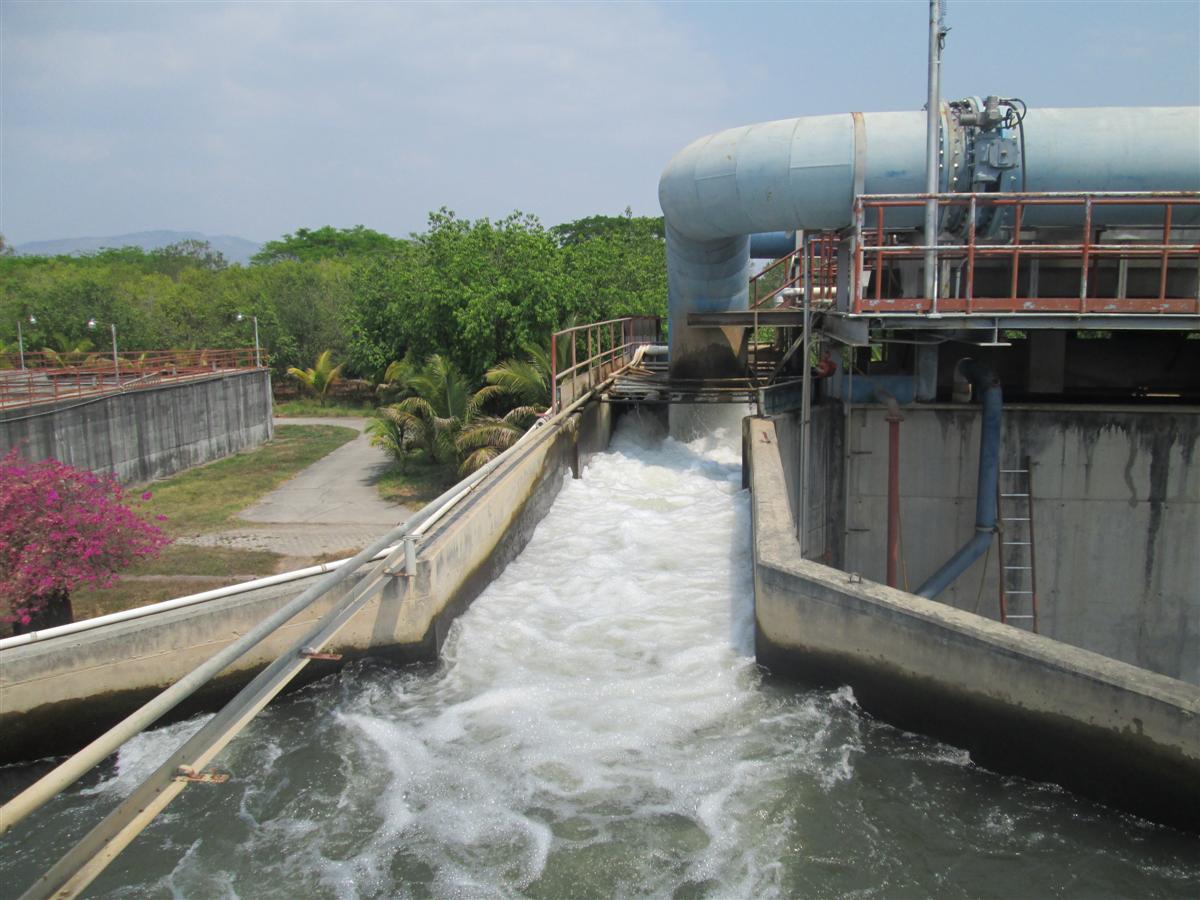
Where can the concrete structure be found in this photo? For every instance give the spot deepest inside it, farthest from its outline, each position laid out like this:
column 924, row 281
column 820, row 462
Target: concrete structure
column 57, row 694
column 1019, row 702
column 1116, row 512
column 148, row 433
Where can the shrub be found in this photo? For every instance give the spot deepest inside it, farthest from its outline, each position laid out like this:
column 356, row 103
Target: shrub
column 60, row 528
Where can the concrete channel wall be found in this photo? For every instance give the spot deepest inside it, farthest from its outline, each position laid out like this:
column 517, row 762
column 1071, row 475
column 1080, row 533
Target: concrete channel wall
column 1018, row 702
column 1116, row 515
column 58, row 694
column 148, row 433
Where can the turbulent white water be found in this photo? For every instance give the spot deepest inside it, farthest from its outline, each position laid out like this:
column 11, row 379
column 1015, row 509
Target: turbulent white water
column 598, row 728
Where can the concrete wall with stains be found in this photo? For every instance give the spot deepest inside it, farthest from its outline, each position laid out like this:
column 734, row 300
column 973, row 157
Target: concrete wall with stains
column 825, row 488
column 148, row 433
column 1017, row 702
column 1116, row 518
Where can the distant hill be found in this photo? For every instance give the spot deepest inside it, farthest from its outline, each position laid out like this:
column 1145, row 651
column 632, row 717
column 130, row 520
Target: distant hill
column 234, row 249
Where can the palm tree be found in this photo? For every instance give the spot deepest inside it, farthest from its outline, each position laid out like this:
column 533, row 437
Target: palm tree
column 525, row 381
column 321, row 377
column 68, row 353
column 397, row 379
column 431, row 419
column 487, row 437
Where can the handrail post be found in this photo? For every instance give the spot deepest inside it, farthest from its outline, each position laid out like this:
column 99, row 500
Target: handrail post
column 1166, row 240
column 805, row 267
column 1087, row 250
column 933, row 139
column 410, row 556
column 855, row 304
column 1016, row 254
column 879, row 239
column 972, row 213
column 554, row 372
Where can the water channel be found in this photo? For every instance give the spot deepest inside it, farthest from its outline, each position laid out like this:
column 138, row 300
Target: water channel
column 598, row 728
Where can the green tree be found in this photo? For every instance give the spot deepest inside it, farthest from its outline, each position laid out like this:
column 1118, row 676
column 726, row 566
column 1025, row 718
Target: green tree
column 321, row 377
column 623, row 227
column 429, row 421
column 190, row 253
column 523, row 382
column 396, row 382
column 475, row 292
column 614, row 266
column 523, row 385
column 326, row 243
column 68, row 353
column 485, row 438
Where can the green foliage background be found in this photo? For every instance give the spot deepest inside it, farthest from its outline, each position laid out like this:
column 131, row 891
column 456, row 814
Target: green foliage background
column 475, row 292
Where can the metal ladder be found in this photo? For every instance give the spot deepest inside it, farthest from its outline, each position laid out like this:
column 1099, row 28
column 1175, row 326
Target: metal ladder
column 1017, row 561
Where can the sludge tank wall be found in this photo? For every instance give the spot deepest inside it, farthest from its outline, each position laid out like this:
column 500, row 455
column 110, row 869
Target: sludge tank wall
column 1017, row 702
column 139, row 435
column 1116, row 514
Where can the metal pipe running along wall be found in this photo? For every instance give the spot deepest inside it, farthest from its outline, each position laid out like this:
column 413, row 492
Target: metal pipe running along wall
column 804, row 173
column 987, row 388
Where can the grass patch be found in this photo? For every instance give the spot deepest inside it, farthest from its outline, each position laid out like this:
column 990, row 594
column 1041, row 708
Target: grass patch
column 306, row 406
column 91, row 602
column 207, row 497
column 334, row 556
column 414, row 483
column 219, row 562
column 180, row 569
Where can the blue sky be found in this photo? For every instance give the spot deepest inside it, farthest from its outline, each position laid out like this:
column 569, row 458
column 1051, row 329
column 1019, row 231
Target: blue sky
column 258, row 118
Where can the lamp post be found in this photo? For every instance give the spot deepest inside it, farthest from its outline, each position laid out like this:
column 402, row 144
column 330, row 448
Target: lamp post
column 92, row 326
column 21, row 340
column 257, row 353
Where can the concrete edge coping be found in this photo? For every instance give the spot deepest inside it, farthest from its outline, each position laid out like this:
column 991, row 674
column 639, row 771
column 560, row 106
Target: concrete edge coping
column 777, row 547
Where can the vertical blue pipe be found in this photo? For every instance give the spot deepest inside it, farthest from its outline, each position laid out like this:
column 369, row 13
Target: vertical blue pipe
column 987, row 385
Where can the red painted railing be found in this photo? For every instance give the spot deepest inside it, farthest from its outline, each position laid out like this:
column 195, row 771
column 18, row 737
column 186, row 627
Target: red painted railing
column 49, row 377
column 608, row 345
column 1010, row 280
column 822, row 270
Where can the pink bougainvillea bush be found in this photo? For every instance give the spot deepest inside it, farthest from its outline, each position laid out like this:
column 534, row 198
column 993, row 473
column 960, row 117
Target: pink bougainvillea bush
column 61, row 528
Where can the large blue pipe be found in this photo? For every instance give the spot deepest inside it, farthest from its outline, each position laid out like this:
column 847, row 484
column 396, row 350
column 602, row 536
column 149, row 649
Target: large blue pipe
column 803, row 173
column 772, row 244
column 987, row 385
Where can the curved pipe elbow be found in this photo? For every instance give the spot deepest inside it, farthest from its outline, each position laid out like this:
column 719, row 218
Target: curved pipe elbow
column 956, row 565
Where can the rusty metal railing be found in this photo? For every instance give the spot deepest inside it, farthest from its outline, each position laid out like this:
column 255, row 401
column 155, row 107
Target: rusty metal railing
column 821, row 262
column 51, row 377
column 608, row 345
column 1010, row 270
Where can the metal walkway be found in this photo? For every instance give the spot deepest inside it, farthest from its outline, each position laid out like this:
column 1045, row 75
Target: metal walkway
column 651, row 383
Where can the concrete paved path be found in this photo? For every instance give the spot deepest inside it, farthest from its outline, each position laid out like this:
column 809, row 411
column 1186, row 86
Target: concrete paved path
column 332, row 505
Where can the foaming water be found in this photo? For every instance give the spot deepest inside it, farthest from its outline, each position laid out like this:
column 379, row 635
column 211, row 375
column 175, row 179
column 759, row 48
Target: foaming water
column 598, row 728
